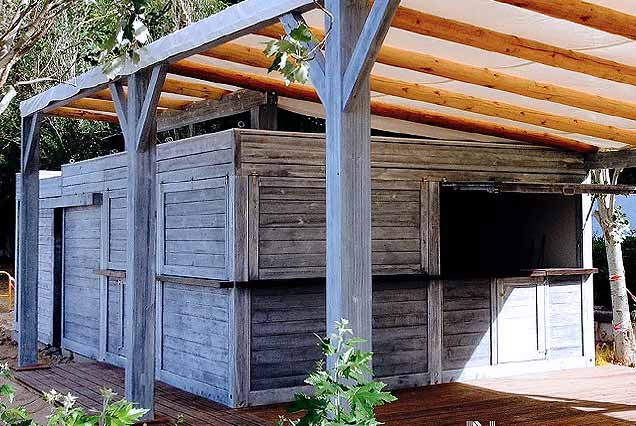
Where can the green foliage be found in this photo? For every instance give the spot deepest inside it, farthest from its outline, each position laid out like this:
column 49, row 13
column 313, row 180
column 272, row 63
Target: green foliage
column 123, row 27
column 601, row 279
column 64, row 411
column 291, row 55
column 344, row 395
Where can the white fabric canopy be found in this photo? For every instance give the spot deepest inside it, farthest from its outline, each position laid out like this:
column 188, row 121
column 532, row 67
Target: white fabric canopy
column 487, row 14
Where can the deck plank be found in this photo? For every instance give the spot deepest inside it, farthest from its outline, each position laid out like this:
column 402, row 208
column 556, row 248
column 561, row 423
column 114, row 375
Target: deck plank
column 594, row 396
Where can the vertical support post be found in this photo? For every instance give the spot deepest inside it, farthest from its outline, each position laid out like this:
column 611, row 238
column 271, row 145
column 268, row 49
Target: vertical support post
column 137, row 116
column 140, row 273
column 265, row 117
column 435, row 289
column 348, row 177
column 584, row 260
column 28, row 245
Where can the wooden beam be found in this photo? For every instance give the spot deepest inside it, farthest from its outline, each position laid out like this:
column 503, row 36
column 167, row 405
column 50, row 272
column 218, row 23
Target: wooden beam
column 380, row 108
column 83, row 115
column 230, row 23
column 368, row 46
column 493, row 41
column 485, row 77
column 165, row 102
column 231, row 104
column 591, row 15
column 622, row 159
column 253, row 57
column 290, row 22
column 148, row 111
column 28, row 245
column 437, row 96
column 348, row 179
column 194, row 89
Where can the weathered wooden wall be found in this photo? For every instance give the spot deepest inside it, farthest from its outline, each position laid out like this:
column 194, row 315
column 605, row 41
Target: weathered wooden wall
column 244, row 205
column 81, row 324
column 193, row 344
column 303, row 155
column 285, row 319
column 292, row 225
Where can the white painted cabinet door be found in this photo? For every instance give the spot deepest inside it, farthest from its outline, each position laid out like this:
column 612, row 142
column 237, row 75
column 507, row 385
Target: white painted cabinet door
column 520, row 320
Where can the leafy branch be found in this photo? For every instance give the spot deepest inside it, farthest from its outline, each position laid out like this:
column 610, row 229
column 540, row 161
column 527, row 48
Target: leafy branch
column 343, row 396
column 293, row 52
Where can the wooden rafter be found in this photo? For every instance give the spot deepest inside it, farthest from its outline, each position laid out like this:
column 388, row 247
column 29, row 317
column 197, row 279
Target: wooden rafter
column 403, row 89
column 585, row 13
column 384, row 109
column 493, row 79
column 493, row 41
column 165, row 102
column 83, row 114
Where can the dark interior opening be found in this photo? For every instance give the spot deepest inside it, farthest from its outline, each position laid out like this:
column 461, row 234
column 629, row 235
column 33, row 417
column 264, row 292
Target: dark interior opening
column 503, row 233
column 58, row 229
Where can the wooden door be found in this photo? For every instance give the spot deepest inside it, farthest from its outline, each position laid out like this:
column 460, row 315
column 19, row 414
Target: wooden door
column 520, row 320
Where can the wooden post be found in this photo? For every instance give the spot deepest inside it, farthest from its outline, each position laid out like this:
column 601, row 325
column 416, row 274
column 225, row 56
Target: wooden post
column 265, row 116
column 137, row 117
column 28, row 245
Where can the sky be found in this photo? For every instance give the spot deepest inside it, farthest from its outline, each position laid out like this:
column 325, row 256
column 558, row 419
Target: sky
column 629, row 207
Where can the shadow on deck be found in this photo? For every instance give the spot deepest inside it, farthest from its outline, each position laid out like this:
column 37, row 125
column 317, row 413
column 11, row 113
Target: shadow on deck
column 594, row 396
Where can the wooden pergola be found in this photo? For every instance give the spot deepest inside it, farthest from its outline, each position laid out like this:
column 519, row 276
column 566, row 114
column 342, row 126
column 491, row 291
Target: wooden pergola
column 362, row 80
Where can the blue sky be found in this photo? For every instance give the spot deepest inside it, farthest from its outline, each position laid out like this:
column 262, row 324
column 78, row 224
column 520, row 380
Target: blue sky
column 629, row 207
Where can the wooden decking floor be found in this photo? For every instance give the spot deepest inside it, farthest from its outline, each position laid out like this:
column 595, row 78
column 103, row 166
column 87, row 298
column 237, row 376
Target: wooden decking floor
column 594, row 396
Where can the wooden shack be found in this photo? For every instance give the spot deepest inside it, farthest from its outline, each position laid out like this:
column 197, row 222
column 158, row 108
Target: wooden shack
column 481, row 261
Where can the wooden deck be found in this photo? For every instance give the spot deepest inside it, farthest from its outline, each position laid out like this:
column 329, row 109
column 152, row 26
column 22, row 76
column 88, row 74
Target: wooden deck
column 595, row 396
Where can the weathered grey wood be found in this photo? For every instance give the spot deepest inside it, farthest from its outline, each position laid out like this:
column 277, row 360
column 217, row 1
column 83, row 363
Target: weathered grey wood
column 435, row 290
column 253, row 227
column 265, row 116
column 239, row 353
column 368, row 46
column 543, row 188
column 231, row 104
column 397, row 159
column 28, row 245
column 585, row 259
column 140, row 137
column 195, row 340
column 66, row 201
column 611, row 159
column 217, row 29
column 317, row 65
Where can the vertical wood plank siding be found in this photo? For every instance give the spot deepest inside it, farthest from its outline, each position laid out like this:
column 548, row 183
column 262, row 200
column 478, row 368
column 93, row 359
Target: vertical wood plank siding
column 81, row 285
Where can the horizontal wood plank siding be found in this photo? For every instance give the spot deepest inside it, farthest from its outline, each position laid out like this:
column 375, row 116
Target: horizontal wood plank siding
column 465, row 323
column 115, row 330
column 81, row 285
column 303, row 156
column 45, row 276
column 292, row 220
column 565, row 318
column 285, row 319
column 117, row 232
column 195, row 339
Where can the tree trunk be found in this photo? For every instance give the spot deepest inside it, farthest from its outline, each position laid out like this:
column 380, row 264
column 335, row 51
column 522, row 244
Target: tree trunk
column 624, row 342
